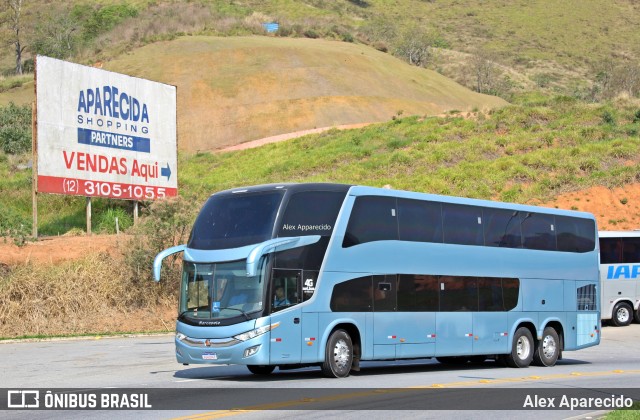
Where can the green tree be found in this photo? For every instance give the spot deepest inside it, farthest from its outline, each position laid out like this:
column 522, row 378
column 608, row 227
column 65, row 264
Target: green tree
column 13, row 17
column 15, row 128
column 414, row 45
column 57, row 32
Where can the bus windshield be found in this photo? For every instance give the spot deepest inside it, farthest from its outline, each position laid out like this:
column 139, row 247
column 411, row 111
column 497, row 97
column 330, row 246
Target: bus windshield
column 235, row 220
column 218, row 291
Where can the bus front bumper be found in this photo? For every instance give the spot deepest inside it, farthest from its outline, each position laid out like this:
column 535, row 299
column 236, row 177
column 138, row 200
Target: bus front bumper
column 254, row 351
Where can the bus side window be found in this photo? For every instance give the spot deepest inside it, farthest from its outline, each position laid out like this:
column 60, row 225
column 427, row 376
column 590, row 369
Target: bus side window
column 384, row 293
column 631, row 250
column 285, row 288
column 372, row 219
column 462, row 224
column 610, row 250
column 538, row 231
column 458, row 294
column 352, row 295
column 418, row 293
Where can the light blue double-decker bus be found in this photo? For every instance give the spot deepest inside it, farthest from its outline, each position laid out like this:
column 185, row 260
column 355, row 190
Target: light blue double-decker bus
column 331, row 275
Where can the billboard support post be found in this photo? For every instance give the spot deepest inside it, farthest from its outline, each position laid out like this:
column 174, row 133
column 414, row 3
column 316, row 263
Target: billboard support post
column 88, row 215
column 135, row 212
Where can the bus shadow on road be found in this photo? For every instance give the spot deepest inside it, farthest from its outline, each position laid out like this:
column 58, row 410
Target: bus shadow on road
column 241, row 374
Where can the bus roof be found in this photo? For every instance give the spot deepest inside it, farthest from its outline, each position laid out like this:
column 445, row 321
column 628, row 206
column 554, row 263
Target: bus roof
column 357, row 190
column 291, row 187
column 360, row 190
column 619, row 233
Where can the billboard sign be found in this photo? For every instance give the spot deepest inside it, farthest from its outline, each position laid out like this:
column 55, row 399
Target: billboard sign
column 104, row 134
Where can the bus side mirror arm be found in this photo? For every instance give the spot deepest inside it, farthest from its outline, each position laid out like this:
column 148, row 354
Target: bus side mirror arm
column 157, row 262
column 270, row 246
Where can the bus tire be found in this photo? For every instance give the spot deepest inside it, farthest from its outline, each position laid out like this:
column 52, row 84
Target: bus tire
column 338, row 356
column 522, row 350
column 548, row 349
column 637, row 315
column 622, row 314
column 261, row 369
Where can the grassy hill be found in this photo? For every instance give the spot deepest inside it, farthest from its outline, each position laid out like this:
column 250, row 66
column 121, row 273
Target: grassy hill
column 563, row 46
column 237, row 89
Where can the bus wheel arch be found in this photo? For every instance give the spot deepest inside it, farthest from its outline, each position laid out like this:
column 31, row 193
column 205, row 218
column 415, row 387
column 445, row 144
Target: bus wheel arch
column 622, row 314
column 342, row 351
column 523, row 347
column 549, row 347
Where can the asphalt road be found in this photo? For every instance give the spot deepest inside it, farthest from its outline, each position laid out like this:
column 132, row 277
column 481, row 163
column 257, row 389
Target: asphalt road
column 147, row 364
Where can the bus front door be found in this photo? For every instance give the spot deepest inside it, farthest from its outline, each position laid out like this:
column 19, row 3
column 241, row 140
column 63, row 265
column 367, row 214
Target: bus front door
column 286, row 338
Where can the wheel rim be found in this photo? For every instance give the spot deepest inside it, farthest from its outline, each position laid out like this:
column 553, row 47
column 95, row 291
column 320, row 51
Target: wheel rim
column 523, row 348
column 341, row 354
column 549, row 347
column 622, row 314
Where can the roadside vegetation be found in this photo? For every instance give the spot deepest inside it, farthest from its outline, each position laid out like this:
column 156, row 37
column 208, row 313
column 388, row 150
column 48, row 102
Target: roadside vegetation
column 630, row 414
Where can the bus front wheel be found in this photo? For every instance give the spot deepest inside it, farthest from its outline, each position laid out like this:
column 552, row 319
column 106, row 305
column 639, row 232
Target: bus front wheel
column 260, row 369
column 338, row 356
column 522, row 350
column 622, row 314
column 548, row 349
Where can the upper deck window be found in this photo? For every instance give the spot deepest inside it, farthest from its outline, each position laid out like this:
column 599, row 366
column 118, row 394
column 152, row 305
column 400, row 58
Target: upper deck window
column 381, row 218
column 311, row 213
column 373, row 218
column 235, row 220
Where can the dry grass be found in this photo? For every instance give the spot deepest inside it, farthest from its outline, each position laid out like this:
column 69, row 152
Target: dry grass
column 92, row 295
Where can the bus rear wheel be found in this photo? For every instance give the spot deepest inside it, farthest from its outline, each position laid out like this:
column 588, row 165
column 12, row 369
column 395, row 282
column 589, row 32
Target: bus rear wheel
column 260, row 369
column 622, row 314
column 522, row 350
column 548, row 349
column 338, row 356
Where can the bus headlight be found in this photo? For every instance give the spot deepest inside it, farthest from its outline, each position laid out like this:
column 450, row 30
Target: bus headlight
column 180, row 336
column 255, row 333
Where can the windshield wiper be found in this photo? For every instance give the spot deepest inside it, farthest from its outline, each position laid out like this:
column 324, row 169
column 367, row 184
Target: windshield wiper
column 239, row 310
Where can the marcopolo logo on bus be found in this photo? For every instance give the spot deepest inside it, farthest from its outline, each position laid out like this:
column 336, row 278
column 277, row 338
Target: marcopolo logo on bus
column 105, row 113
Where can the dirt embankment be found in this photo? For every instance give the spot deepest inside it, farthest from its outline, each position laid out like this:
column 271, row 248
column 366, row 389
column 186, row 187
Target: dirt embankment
column 55, row 249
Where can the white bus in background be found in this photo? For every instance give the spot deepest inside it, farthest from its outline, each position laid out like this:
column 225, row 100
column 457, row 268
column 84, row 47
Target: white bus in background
column 620, row 277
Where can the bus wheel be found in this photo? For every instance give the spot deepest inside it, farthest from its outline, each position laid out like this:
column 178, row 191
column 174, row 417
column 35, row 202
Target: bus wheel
column 548, row 349
column 637, row 315
column 622, row 314
column 260, row 369
column 522, row 350
column 338, row 356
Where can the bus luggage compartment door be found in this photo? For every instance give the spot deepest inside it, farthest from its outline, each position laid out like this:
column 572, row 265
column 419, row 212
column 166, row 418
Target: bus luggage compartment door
column 286, row 339
column 454, row 331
